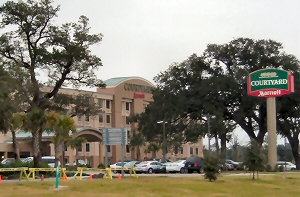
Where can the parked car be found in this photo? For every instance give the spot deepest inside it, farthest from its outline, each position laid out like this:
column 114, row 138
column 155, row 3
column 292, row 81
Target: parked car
column 131, row 164
column 177, row 166
column 50, row 160
column 164, row 161
column 288, row 165
column 236, row 165
column 7, row 161
column 150, row 167
column 116, row 165
column 193, row 164
column 229, row 166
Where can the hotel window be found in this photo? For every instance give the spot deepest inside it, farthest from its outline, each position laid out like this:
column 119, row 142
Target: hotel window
column 127, row 149
column 87, row 118
column 196, row 151
column 101, row 103
column 79, row 117
column 101, row 118
column 107, row 118
column 182, row 151
column 127, row 120
column 191, row 151
column 107, row 104
column 127, row 106
column 87, row 147
column 108, row 148
column 79, row 149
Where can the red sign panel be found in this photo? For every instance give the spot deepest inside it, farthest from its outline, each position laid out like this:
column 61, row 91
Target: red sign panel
column 136, row 95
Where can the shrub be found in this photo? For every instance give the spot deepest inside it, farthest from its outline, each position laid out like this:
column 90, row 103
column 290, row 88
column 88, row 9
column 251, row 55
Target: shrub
column 211, row 168
column 101, row 166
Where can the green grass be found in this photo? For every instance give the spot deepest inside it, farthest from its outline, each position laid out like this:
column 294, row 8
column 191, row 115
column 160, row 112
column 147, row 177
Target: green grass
column 225, row 186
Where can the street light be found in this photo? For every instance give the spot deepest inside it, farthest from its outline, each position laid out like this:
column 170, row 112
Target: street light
column 208, row 116
column 164, row 138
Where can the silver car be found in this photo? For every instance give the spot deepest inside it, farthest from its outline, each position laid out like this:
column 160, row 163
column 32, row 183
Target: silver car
column 150, row 167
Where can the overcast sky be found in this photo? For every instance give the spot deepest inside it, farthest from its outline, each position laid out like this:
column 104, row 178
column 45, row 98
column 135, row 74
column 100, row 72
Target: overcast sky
column 143, row 37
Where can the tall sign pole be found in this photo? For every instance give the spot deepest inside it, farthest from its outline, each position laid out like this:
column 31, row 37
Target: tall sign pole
column 269, row 84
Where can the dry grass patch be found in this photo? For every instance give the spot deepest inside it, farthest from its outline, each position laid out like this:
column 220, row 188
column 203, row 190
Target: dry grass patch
column 266, row 186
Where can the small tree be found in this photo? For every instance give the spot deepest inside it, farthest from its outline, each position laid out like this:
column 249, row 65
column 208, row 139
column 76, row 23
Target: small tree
column 136, row 141
column 254, row 158
column 76, row 144
column 211, row 167
column 61, row 125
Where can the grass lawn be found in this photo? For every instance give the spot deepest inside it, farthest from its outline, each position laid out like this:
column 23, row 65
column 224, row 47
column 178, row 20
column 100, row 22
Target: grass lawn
column 225, row 186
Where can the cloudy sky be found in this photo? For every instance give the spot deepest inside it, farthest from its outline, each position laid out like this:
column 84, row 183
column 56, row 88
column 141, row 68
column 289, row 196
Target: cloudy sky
column 143, row 37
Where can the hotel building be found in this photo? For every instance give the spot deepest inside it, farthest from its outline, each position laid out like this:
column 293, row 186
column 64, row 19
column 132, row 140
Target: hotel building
column 122, row 97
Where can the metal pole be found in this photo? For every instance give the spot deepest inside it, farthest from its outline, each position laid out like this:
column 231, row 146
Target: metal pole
column 208, row 125
column 164, row 141
column 272, row 138
column 106, row 147
column 123, row 149
column 106, row 156
column 284, row 154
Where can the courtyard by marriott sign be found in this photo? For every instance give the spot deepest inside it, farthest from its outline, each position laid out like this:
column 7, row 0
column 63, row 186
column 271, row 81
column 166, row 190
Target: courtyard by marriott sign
column 137, row 88
column 270, row 83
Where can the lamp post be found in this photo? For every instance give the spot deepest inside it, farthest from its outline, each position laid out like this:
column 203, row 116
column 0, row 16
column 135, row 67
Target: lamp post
column 208, row 116
column 164, row 138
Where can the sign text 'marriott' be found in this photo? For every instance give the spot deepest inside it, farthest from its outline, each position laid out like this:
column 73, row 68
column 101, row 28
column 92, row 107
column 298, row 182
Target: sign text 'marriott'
column 137, row 88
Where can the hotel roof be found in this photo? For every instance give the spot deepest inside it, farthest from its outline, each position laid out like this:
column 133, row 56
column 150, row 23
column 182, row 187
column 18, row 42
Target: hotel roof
column 117, row 80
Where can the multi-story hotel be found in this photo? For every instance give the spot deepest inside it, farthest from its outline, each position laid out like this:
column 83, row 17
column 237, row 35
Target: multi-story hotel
column 122, row 97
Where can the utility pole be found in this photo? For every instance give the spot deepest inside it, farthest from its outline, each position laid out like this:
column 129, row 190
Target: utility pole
column 208, row 131
column 164, row 139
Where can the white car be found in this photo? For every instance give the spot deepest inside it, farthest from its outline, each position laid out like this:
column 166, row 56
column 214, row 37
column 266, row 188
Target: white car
column 117, row 165
column 288, row 165
column 177, row 166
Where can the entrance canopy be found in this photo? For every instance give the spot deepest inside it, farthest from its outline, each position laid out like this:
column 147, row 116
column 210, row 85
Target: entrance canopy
column 91, row 135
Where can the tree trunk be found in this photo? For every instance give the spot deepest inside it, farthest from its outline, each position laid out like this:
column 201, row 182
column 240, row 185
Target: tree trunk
column 57, row 151
column 138, row 153
column 223, row 147
column 40, row 144
column 15, row 145
column 217, row 144
column 294, row 142
column 63, row 155
column 36, row 148
column 77, row 157
column 153, row 154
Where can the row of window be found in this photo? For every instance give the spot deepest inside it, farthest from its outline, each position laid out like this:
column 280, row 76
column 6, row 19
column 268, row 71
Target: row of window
column 108, row 104
column 101, row 118
column 87, row 148
column 192, row 151
column 101, row 103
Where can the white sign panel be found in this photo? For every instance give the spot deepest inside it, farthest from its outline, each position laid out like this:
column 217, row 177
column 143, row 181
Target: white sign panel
column 115, row 136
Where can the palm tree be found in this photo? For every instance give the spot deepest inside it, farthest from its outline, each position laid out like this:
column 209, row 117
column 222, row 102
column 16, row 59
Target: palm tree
column 35, row 121
column 15, row 123
column 153, row 147
column 76, row 144
column 61, row 125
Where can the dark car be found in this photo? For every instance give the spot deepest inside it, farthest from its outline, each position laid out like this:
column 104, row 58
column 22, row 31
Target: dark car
column 193, row 164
